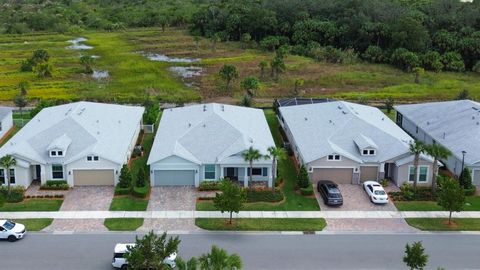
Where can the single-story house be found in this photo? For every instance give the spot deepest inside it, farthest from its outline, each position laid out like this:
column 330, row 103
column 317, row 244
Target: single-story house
column 6, row 121
column 351, row 143
column 454, row 124
column 205, row 142
column 84, row 143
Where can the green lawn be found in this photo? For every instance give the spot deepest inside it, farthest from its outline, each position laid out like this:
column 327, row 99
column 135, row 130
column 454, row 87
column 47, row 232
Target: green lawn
column 128, row 204
column 35, row 224
column 472, row 204
column 440, row 224
column 262, row 224
column 123, row 224
column 33, row 205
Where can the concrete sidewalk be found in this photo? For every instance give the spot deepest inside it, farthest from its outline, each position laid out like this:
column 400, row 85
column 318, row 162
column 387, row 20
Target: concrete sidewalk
column 242, row 214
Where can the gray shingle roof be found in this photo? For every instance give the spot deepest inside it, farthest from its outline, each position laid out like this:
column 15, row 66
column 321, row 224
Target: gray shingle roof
column 85, row 128
column 341, row 127
column 454, row 124
column 210, row 133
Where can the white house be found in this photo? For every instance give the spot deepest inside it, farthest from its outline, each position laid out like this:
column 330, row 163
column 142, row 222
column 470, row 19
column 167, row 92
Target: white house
column 206, row 142
column 6, row 121
column 84, row 143
column 454, row 124
column 350, row 143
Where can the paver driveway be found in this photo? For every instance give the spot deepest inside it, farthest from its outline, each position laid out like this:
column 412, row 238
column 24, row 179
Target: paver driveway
column 354, row 199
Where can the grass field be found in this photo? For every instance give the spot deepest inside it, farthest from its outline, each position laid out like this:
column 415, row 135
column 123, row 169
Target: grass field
column 472, row 203
column 123, row 224
column 128, row 204
column 132, row 75
column 33, row 205
column 262, row 224
column 441, row 224
column 35, row 224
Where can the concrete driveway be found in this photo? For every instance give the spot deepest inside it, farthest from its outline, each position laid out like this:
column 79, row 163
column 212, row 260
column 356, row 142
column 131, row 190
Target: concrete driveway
column 354, row 199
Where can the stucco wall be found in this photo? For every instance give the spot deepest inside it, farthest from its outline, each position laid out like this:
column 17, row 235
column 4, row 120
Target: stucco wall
column 324, row 162
column 402, row 172
column 83, row 164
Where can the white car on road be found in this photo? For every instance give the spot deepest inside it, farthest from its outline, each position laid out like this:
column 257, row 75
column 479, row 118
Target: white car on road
column 120, row 262
column 11, row 231
column 375, row 191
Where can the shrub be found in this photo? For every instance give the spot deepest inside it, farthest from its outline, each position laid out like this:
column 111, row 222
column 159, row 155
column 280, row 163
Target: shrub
column 374, row 54
column 306, row 191
column 209, row 185
column 470, row 191
column 140, row 181
column 270, row 43
column 141, row 192
column 278, row 182
column 125, row 179
column 2, row 199
column 404, row 59
column 465, row 179
column 453, row 61
column 385, row 182
column 151, row 113
column 56, row 182
column 16, row 194
column 432, row 61
column 264, row 195
column 122, row 191
column 302, row 178
column 55, row 185
column 476, row 68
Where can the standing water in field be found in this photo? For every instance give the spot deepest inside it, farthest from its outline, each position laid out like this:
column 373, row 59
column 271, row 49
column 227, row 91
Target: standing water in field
column 100, row 74
column 186, row 72
column 165, row 58
column 77, row 44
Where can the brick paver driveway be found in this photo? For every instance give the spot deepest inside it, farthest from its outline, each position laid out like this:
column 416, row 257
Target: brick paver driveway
column 354, row 199
column 91, row 198
column 168, row 199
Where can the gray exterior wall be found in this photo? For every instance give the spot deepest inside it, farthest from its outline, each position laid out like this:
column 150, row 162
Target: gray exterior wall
column 402, row 172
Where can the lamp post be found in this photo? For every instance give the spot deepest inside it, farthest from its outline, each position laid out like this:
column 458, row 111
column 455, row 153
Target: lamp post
column 463, row 160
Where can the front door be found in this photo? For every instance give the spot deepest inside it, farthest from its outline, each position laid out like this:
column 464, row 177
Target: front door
column 386, row 167
column 230, row 173
column 38, row 171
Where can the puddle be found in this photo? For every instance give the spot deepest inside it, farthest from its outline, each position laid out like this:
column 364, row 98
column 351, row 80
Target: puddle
column 77, row 44
column 187, row 72
column 165, row 58
column 100, row 74
column 95, row 56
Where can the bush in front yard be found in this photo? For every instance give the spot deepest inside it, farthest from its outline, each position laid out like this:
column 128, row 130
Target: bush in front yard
column 140, row 192
column 209, row 186
column 122, row 191
column 470, row 191
column 140, row 181
column 16, row 194
column 125, row 179
column 308, row 191
column 302, row 178
column 264, row 195
column 55, row 185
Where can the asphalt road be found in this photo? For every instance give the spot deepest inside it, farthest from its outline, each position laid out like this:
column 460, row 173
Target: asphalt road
column 259, row 251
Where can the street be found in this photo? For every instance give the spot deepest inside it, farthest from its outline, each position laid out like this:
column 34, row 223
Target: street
column 258, row 251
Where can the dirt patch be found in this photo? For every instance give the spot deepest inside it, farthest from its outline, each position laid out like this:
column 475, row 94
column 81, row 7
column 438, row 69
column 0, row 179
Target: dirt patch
column 451, row 225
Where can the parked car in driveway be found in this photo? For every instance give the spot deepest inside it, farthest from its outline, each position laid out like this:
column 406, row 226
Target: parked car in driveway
column 375, row 192
column 330, row 193
column 11, row 231
column 120, row 262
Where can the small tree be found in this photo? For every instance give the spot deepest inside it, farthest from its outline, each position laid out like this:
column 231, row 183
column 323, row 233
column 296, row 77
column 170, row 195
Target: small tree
column 451, row 196
column 277, row 65
column 276, row 154
column 416, row 148
column 87, row 62
column 389, row 102
column 21, row 102
column 246, row 101
column 125, row 179
column 251, row 155
column 246, row 38
column 214, row 39
column 150, row 251
column 437, row 151
column 196, row 38
column 23, row 87
column 219, row 259
column 191, row 264
column 230, row 199
column 7, row 162
column 140, row 181
column 262, row 65
column 43, row 70
column 302, row 178
column 418, row 72
column 298, row 83
column 228, row 73
column 465, row 178
column 415, row 256
column 250, row 85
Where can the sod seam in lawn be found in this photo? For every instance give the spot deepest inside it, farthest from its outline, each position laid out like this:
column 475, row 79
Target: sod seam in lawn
column 39, row 205
column 439, row 224
column 123, row 224
column 262, row 224
column 35, row 224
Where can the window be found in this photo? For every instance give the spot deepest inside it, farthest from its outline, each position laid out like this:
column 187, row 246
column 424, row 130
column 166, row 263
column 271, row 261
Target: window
column 365, row 152
column 60, row 153
column 257, row 171
column 333, row 157
column 95, row 158
column 264, row 171
column 57, row 171
column 92, row 158
column 210, row 171
column 89, row 158
column 2, row 177
column 371, row 152
column 399, row 118
column 53, row 153
column 12, row 176
column 416, row 130
column 423, row 172
column 411, row 174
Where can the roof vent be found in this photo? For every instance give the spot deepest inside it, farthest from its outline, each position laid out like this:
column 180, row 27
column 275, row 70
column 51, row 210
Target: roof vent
column 250, row 140
column 189, row 124
column 97, row 121
column 344, row 112
column 330, row 121
column 98, row 132
column 428, row 123
column 339, row 107
column 223, row 108
column 383, row 118
column 478, row 123
column 204, row 125
column 444, row 134
column 306, row 119
column 204, row 108
column 473, row 117
column 119, row 121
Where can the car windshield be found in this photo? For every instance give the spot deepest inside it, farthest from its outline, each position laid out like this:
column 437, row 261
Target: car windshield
column 9, row 225
column 379, row 192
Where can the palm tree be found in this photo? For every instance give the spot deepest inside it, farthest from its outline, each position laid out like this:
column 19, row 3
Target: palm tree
column 7, row 162
column 437, row 151
column 219, row 259
column 251, row 155
column 416, row 148
column 276, row 154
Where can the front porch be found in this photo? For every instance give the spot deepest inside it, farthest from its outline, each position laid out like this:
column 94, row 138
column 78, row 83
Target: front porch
column 241, row 174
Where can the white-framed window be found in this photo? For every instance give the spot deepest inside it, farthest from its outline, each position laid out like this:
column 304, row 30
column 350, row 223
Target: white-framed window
column 422, row 173
column 53, row 153
column 368, row 152
column 56, row 153
column 92, row 158
column 3, row 176
column 333, row 157
column 365, row 152
column 57, row 171
column 209, row 171
column 258, row 172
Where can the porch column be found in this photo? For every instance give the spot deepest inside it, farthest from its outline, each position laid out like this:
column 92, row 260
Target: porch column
column 43, row 175
column 381, row 171
column 221, row 172
column 245, row 178
column 270, row 177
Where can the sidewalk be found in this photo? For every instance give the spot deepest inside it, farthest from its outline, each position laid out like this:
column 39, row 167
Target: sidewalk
column 243, row 214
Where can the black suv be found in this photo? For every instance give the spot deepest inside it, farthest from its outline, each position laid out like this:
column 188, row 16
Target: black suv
column 330, row 193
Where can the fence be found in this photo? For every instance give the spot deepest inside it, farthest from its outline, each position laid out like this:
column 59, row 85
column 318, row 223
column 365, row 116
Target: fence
column 148, row 128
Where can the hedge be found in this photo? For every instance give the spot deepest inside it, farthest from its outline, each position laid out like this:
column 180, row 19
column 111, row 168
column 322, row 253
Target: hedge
column 55, row 185
column 122, row 191
column 306, row 191
column 264, row 195
column 47, row 196
column 209, row 186
column 16, row 194
column 141, row 192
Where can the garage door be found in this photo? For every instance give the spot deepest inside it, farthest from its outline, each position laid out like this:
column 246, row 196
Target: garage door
column 476, row 177
column 93, row 178
column 340, row 176
column 368, row 173
column 174, row 178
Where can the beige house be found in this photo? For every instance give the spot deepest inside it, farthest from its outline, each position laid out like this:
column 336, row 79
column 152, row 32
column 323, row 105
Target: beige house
column 350, row 143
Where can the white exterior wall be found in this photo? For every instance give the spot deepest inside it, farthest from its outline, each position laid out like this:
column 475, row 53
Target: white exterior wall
column 22, row 177
column 133, row 142
column 83, row 164
column 175, row 163
column 7, row 124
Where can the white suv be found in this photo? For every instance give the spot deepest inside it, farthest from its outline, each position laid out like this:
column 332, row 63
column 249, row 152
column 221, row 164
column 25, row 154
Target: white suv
column 11, row 231
column 120, row 262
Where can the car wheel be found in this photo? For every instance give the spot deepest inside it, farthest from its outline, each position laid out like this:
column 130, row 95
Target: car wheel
column 124, row 267
column 12, row 238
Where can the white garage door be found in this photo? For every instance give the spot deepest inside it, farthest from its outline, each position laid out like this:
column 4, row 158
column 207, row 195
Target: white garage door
column 174, row 178
column 93, row 178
